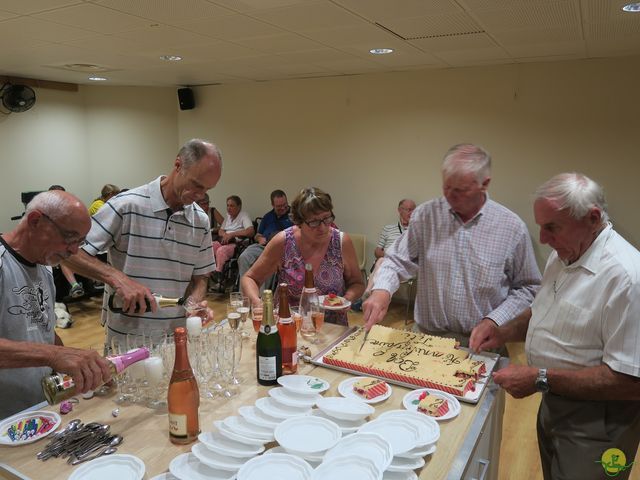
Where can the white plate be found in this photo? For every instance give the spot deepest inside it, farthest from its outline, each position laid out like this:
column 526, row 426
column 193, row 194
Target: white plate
column 270, row 406
column 241, row 426
column 17, row 421
column 345, row 408
column 292, row 399
column 429, row 428
column 307, row 435
column 279, row 449
column 277, row 465
column 188, row 467
column 410, row 402
column 347, row 426
column 122, row 467
column 402, row 434
column 216, row 460
column 419, row 452
column 345, row 388
column 231, row 435
column 399, row 475
column 347, row 468
column 345, row 304
column 218, row 443
column 252, row 415
column 370, row 446
column 399, row 464
column 165, row 476
column 304, row 384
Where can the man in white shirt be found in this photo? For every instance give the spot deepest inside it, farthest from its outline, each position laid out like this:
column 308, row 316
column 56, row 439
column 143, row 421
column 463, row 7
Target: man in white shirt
column 473, row 257
column 581, row 335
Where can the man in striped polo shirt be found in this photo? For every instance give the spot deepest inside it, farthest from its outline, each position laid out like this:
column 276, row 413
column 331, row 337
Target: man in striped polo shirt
column 157, row 241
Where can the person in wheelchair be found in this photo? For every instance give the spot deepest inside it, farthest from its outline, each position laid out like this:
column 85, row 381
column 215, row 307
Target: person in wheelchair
column 236, row 226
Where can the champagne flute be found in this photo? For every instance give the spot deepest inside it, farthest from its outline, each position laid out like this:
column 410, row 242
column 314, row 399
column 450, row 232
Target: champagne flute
column 297, row 318
column 256, row 316
column 233, row 317
column 317, row 317
column 243, row 310
column 155, row 341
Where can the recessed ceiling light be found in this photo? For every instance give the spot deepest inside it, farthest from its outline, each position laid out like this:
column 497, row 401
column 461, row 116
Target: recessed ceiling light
column 632, row 7
column 171, row 58
column 97, row 79
column 381, row 51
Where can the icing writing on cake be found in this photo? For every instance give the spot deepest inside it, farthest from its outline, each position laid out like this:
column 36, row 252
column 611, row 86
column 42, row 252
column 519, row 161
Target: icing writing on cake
column 409, row 357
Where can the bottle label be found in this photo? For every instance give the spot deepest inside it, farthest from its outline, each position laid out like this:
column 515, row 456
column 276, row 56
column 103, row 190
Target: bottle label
column 267, row 368
column 178, row 425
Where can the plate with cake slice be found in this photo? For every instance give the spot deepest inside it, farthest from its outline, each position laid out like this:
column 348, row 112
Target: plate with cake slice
column 333, row 302
column 435, row 403
column 367, row 389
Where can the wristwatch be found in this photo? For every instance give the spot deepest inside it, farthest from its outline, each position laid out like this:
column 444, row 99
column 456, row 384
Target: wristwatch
column 542, row 384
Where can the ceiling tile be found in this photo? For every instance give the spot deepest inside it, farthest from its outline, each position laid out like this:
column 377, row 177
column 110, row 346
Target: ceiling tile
column 539, row 15
column 433, row 25
column 454, row 42
column 376, row 10
column 163, row 36
column 477, row 56
column 245, row 6
column 230, row 27
column 23, row 7
column 4, row 15
column 299, row 18
column 167, row 11
column 282, row 43
column 28, row 30
column 93, row 17
column 546, row 49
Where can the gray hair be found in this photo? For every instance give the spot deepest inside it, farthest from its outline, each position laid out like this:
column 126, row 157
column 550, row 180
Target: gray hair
column 52, row 204
column 575, row 192
column 467, row 158
column 196, row 148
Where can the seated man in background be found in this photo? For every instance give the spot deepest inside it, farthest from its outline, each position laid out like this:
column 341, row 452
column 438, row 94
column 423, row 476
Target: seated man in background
column 53, row 227
column 274, row 221
column 473, row 257
column 581, row 337
column 388, row 236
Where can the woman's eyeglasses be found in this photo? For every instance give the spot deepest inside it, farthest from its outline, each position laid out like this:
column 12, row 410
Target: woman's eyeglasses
column 316, row 223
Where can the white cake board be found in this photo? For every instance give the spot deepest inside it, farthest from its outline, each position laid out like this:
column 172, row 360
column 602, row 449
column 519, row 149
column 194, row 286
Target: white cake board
column 490, row 360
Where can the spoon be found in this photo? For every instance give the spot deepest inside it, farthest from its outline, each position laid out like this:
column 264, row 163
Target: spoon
column 106, row 451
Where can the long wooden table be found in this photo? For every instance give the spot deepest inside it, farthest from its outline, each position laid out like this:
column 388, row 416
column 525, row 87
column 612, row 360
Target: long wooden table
column 146, row 431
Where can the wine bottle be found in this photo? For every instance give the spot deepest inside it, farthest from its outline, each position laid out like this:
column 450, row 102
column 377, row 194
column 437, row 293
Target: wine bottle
column 60, row 386
column 183, row 398
column 287, row 331
column 268, row 346
column 308, row 297
column 115, row 304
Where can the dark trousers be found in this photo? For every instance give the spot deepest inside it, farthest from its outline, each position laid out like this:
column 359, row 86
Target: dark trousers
column 574, row 437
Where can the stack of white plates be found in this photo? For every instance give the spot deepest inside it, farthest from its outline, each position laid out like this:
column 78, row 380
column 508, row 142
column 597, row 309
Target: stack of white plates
column 429, row 432
column 308, row 437
column 345, row 408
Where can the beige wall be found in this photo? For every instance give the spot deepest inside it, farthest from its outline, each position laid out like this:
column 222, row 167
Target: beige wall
column 370, row 140
column 85, row 139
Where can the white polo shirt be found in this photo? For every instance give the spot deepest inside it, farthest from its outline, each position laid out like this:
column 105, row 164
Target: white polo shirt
column 588, row 313
column 154, row 246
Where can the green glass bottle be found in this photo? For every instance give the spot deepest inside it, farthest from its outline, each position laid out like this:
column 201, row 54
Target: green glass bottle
column 268, row 345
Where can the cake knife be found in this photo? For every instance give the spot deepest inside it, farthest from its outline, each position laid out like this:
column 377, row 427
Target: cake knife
column 364, row 340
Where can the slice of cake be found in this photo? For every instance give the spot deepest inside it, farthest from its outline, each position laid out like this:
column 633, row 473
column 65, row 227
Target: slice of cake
column 370, row 387
column 332, row 300
column 432, row 405
column 409, row 357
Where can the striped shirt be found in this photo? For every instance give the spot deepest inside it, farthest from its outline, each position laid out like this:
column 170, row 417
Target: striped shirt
column 390, row 234
column 154, row 246
column 466, row 271
column 587, row 313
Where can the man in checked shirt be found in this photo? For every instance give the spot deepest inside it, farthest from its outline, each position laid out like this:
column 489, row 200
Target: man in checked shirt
column 473, row 257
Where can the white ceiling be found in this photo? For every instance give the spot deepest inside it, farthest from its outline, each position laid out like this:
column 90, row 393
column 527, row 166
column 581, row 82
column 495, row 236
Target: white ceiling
column 228, row 41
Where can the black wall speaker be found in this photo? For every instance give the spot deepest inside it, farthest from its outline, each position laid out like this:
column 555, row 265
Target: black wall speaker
column 185, row 99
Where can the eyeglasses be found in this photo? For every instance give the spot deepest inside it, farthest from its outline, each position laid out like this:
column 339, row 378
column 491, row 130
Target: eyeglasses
column 316, row 223
column 70, row 238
